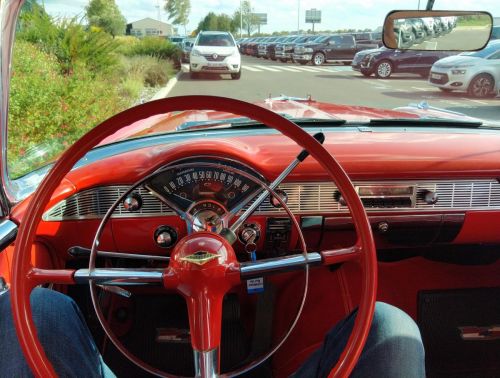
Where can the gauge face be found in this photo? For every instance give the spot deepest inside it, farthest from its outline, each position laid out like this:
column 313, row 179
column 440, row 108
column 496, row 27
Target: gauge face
column 190, row 187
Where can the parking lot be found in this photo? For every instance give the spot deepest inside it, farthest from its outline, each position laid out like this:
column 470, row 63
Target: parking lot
column 330, row 83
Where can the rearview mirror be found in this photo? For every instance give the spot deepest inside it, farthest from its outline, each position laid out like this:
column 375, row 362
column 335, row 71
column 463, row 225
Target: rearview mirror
column 437, row 30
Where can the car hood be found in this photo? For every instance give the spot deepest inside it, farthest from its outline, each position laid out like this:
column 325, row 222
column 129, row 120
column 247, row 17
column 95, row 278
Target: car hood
column 294, row 108
column 369, row 51
column 221, row 50
column 458, row 60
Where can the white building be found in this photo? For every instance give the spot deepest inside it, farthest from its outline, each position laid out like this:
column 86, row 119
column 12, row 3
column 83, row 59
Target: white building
column 149, row 27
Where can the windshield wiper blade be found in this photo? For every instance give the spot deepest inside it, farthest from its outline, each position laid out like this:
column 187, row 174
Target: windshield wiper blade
column 428, row 122
column 319, row 121
column 194, row 125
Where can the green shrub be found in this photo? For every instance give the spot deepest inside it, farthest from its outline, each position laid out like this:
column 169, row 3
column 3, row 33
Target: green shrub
column 49, row 110
column 70, row 42
column 156, row 47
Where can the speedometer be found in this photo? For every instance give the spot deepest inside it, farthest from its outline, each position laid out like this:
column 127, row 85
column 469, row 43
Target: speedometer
column 187, row 186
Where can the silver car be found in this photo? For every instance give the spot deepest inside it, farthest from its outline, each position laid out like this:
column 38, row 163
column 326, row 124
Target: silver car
column 477, row 73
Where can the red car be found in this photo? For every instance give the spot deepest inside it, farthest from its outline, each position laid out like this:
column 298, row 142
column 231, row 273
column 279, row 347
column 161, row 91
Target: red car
column 219, row 236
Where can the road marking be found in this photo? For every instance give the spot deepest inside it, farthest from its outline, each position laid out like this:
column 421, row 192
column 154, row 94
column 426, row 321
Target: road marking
column 268, row 68
column 251, row 68
column 307, row 69
column 286, row 68
column 324, row 69
column 479, row 102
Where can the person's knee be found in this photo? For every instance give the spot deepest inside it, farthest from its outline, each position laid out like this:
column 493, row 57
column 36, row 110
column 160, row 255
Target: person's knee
column 395, row 344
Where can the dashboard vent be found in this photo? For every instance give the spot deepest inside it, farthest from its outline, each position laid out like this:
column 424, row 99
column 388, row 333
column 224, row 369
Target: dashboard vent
column 303, row 198
column 94, row 203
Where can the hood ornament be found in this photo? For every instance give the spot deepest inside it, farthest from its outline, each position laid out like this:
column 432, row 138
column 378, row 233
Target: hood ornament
column 200, row 257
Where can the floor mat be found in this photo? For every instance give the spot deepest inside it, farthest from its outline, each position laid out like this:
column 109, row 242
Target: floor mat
column 170, row 312
column 449, row 320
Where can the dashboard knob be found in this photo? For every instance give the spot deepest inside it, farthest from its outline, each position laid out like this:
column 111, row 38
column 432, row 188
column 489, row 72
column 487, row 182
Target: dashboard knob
column 165, row 236
column 430, row 197
column 133, row 202
column 250, row 233
column 282, row 194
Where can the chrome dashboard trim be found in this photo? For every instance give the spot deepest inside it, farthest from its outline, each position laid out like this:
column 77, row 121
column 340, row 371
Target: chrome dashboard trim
column 303, row 199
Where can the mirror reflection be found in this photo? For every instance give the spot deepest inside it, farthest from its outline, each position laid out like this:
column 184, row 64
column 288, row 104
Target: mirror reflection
column 457, row 33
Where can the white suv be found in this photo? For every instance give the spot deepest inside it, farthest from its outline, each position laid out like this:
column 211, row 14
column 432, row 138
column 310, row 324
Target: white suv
column 215, row 52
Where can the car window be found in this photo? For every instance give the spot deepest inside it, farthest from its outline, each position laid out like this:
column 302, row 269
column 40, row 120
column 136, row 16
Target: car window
column 485, row 52
column 495, row 56
column 215, row 40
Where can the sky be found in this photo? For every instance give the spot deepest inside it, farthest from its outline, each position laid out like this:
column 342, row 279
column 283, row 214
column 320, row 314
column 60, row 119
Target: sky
column 281, row 14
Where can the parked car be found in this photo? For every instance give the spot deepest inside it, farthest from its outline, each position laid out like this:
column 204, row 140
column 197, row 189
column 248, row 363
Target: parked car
column 186, row 47
column 176, row 39
column 284, row 51
column 429, row 26
column 404, row 34
column 271, row 47
column 476, row 72
column 252, row 48
column 340, row 48
column 368, row 38
column 215, row 52
column 262, row 47
column 495, row 33
column 384, row 62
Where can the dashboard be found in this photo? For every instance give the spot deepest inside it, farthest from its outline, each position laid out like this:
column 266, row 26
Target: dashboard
column 419, row 189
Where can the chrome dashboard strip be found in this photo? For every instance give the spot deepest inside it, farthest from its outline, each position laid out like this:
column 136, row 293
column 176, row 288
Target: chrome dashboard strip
column 285, row 263
column 119, row 276
column 8, row 233
column 303, row 198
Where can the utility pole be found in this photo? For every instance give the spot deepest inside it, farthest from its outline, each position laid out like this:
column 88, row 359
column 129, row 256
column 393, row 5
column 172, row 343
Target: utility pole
column 298, row 16
column 157, row 6
column 241, row 20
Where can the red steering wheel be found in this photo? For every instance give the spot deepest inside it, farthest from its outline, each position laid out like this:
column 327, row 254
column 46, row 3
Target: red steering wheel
column 224, row 271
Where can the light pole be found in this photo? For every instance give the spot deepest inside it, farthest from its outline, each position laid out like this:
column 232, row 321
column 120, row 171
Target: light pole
column 241, row 20
column 298, row 16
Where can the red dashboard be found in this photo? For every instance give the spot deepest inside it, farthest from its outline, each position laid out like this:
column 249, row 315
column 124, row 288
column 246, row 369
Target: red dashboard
column 454, row 163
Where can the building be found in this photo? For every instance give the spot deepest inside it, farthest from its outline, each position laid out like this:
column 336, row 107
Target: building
column 149, row 27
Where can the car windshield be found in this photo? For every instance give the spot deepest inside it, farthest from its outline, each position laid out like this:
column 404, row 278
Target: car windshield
column 76, row 65
column 215, row 40
column 484, row 53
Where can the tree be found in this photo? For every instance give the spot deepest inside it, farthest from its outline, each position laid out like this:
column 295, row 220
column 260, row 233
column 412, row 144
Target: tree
column 105, row 14
column 214, row 21
column 248, row 18
column 178, row 11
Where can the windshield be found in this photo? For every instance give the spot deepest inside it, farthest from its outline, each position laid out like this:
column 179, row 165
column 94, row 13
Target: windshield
column 214, row 40
column 484, row 53
column 75, row 66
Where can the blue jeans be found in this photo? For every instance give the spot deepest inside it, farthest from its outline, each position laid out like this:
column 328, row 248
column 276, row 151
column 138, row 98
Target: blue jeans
column 394, row 347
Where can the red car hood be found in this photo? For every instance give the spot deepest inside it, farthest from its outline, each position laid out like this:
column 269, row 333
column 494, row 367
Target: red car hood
column 294, row 108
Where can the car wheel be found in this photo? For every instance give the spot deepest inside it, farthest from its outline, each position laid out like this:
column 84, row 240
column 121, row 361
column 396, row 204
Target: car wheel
column 283, row 60
column 318, row 59
column 383, row 69
column 446, row 90
column 236, row 76
column 481, row 86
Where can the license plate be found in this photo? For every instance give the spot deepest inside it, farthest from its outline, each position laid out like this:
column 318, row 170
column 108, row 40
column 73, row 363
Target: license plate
column 216, row 65
column 436, row 76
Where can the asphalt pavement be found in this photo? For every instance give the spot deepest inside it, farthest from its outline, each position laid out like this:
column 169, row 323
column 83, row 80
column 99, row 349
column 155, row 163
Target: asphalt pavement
column 338, row 84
